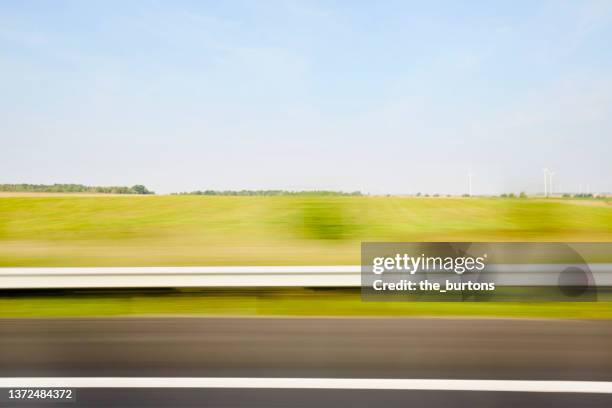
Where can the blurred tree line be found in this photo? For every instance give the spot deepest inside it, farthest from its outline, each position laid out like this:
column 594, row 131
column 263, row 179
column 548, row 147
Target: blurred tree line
column 74, row 188
column 270, row 193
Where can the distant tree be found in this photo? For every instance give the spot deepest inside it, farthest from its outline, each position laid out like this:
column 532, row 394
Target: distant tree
column 522, row 195
column 140, row 189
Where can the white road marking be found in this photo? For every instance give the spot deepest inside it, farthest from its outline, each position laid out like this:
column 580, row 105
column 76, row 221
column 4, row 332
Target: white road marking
column 598, row 387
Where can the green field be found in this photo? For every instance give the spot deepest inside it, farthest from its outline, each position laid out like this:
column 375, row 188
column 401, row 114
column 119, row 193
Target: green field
column 77, row 230
column 103, row 230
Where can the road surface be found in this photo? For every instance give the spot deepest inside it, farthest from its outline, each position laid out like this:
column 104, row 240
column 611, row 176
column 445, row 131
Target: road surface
column 372, row 348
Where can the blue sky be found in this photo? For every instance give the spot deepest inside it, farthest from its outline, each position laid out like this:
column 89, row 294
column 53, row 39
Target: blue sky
column 383, row 97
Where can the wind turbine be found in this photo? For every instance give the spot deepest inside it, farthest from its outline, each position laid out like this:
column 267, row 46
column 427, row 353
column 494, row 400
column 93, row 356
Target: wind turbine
column 545, row 170
column 550, row 186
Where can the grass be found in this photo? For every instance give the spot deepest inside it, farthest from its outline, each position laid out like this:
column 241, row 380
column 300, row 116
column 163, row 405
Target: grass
column 74, row 230
column 288, row 302
column 199, row 230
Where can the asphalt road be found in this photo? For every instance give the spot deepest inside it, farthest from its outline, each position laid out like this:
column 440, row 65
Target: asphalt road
column 312, row 347
column 284, row 398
